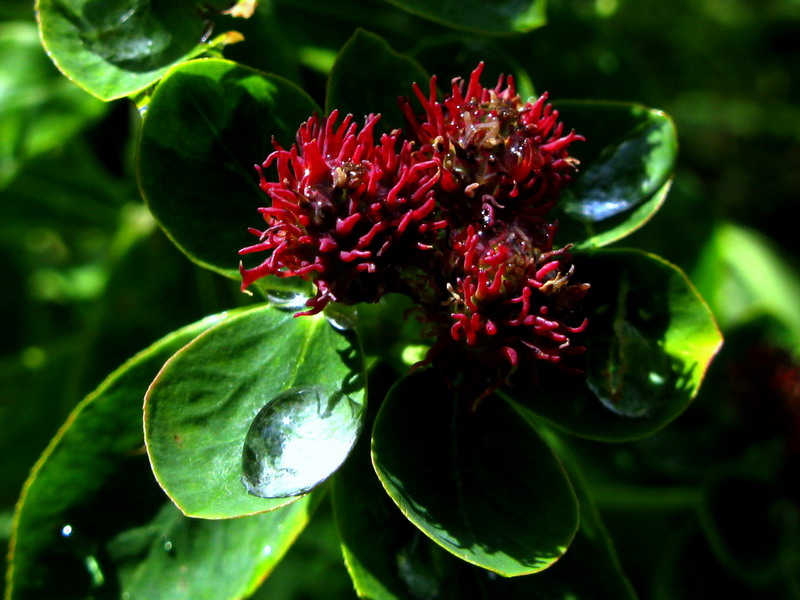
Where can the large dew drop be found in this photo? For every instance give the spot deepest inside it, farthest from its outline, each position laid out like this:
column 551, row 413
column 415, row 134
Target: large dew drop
column 298, row 440
column 635, row 380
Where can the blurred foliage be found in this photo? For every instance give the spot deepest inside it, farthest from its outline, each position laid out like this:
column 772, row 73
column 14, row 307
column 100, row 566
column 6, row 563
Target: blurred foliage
column 88, row 279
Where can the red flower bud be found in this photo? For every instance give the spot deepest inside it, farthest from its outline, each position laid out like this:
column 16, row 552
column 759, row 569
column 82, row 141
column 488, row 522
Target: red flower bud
column 454, row 216
column 345, row 212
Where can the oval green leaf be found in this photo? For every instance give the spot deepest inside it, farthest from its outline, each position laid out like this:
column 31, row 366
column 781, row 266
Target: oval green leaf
column 206, row 560
column 482, row 484
column 114, row 48
column 626, row 164
column 93, row 522
column 650, row 340
column 500, row 16
column 200, row 407
column 390, row 559
column 208, row 123
column 368, row 77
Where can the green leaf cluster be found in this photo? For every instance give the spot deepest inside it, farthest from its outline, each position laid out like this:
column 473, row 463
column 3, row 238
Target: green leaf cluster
column 430, row 499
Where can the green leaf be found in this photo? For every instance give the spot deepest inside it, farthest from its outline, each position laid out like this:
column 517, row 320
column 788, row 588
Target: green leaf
column 368, row 77
column 315, row 556
column 500, row 16
column 386, row 556
column 93, row 523
column 371, row 529
column 208, row 123
column 650, row 341
column 590, row 568
column 625, row 167
column 39, row 109
column 208, row 560
column 117, row 47
column 200, row 407
column 405, row 346
column 482, row 484
column 390, row 559
column 743, row 276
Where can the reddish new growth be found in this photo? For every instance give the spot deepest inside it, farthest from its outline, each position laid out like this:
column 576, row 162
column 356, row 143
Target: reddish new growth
column 345, row 212
column 493, row 145
column 515, row 294
column 454, row 215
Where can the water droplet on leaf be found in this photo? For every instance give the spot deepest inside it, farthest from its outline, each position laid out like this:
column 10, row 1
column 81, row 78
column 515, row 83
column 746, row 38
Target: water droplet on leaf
column 287, row 299
column 341, row 317
column 298, row 440
column 634, row 379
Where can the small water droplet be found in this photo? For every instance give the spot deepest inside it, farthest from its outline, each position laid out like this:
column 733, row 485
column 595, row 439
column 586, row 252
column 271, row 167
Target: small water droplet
column 287, row 299
column 166, row 543
column 298, row 439
column 267, row 550
column 207, row 33
column 66, row 531
column 341, row 317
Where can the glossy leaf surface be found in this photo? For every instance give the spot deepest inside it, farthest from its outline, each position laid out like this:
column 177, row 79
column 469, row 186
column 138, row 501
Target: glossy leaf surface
column 200, row 407
column 68, row 544
column 368, row 77
column 117, row 47
column 625, row 167
column 650, row 340
column 481, row 484
column 502, row 16
column 207, row 124
column 390, row 559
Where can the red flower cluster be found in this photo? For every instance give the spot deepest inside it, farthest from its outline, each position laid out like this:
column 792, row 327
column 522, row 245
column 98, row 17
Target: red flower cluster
column 453, row 214
column 347, row 213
